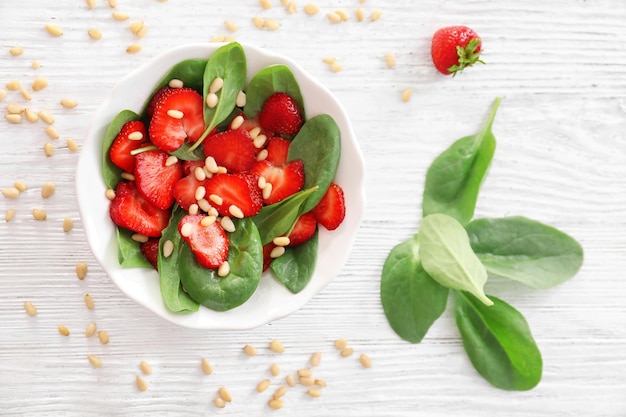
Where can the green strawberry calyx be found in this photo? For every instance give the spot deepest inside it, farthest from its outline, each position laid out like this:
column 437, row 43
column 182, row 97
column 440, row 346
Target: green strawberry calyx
column 468, row 56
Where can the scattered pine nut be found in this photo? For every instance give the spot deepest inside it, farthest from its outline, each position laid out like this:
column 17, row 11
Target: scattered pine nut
column 320, row 382
column 365, row 361
column 16, row 51
column 90, row 330
column 275, row 369
column 329, row 60
column 341, row 344
column 186, row 229
column 14, row 108
column 277, row 346
column 281, row 241
column 30, row 115
column 235, row 211
column 54, row 30
column 219, row 402
column 263, row 385
column 342, row 15
column 282, row 390
column 142, row 32
column 406, row 94
column 211, row 100
column 204, row 205
column 305, row 372
column 227, row 224
column 276, row 404
column 81, row 270
column 136, row 26
column 176, row 83
column 46, row 116
column 168, row 248
column 13, row 118
column 193, row 209
column 11, row 192
column 71, row 145
column 47, row 190
column 207, row 368
column 272, row 24
column 311, row 9
column 360, row 14
column 224, row 269
column 142, row 385
column 216, row 85
column 345, row 352
column 390, row 59
column 64, row 331
column 9, row 215
column 68, row 224
column 249, row 350
column 277, row 252
column 39, row 84
column 128, row 176
column 39, row 214
column 112, row 4
column 262, row 155
column 314, row 392
column 231, row 26
column 134, row 48
column 376, row 15
column 109, row 194
column 30, row 308
column 95, row 361
column 89, row 301
column 35, row 65
column 335, row 67
column 119, row 16
column 91, row 4
column 48, row 149
column 3, row 94
column 267, row 189
column 25, row 94
column 13, row 85
column 68, row 103
column 307, row 381
column 259, row 22
column 241, row 99
column 103, row 337
column 145, row 367
column 291, row 380
column 51, row 132
column 362, row 1
column 95, row 34
column 266, row 4
column 21, row 186
column 333, row 17
column 316, row 359
column 171, row 160
column 224, row 394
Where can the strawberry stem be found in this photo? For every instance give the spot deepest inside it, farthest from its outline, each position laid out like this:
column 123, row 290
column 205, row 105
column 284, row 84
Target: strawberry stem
column 468, row 56
column 144, row 149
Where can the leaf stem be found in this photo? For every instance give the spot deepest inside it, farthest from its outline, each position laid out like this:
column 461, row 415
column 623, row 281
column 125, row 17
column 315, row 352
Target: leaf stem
column 144, row 149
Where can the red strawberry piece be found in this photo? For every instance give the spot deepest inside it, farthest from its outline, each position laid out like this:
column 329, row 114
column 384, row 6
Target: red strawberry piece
column 239, row 190
column 303, row 230
column 190, row 166
column 280, row 114
column 122, row 145
column 130, row 210
column 184, row 191
column 153, row 100
column 209, row 244
column 286, row 180
column 455, row 48
column 178, row 115
column 331, row 210
column 232, row 149
column 150, row 250
column 252, row 123
column 267, row 259
column 277, row 150
column 154, row 179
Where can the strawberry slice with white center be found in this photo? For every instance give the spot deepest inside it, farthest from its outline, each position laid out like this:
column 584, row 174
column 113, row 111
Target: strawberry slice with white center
column 155, row 179
column 209, row 244
column 331, row 210
column 133, row 135
column 178, row 116
column 281, row 114
column 185, row 189
column 303, row 230
column 232, row 149
column 235, row 195
column 130, row 210
column 285, row 180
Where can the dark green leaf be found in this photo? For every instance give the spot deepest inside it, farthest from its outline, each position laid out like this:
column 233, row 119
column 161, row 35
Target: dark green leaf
column 318, row 145
column 411, row 299
column 110, row 172
column 270, row 80
column 454, row 178
column 295, row 267
column 525, row 250
column 498, row 341
column 184, row 153
column 447, row 256
column 129, row 254
column 174, row 298
column 245, row 257
column 279, row 218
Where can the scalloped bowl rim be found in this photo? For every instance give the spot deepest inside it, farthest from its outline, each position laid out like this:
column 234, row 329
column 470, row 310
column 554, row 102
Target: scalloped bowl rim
column 271, row 301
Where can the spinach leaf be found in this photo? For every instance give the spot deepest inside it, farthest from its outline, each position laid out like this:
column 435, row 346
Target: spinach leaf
column 447, row 256
column 110, row 172
column 525, row 250
column 129, row 254
column 498, row 341
column 228, row 63
column 174, row 298
column 279, row 218
column 295, row 267
column 270, row 80
column 318, row 145
column 186, row 154
column 411, row 299
column 245, row 256
column 454, row 178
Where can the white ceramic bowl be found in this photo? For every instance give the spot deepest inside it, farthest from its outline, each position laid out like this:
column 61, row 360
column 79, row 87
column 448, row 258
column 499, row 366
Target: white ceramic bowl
column 271, row 300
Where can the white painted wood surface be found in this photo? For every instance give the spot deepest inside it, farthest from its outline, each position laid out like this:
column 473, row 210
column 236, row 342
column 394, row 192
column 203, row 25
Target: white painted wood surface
column 561, row 159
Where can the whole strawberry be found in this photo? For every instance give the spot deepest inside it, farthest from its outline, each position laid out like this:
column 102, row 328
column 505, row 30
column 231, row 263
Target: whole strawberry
column 454, row 48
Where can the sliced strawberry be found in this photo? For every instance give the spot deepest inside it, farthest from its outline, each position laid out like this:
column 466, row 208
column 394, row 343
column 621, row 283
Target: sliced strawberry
column 154, row 99
column 240, row 190
column 277, row 150
column 167, row 131
column 150, row 250
column 267, row 259
column 232, row 149
column 130, row 210
column 286, row 180
column 281, row 115
column 184, row 191
column 331, row 210
column 209, row 244
column 190, row 166
column 122, row 145
column 253, row 123
column 154, row 179
column 303, row 230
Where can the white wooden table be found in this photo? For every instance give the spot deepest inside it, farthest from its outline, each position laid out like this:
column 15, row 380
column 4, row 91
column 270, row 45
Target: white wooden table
column 560, row 67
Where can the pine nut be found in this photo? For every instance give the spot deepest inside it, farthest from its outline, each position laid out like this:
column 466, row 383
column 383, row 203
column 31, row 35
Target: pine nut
column 54, row 30
column 207, row 368
column 14, row 108
column 21, row 186
column 51, row 132
column 272, row 24
column 263, row 385
column 259, row 141
column 142, row 385
column 336, row 67
column 277, row 346
column 279, row 392
column 176, row 83
column 186, row 229
column 142, row 32
column 208, row 220
column 259, row 22
column 406, row 94
column 216, row 85
column 11, row 192
column 137, row 135
column 211, row 100
column 112, row 4
column 305, row 372
column 168, row 248
column 103, row 337
column 95, row 361
column 47, row 190
column 3, row 94
column 211, row 165
column 16, row 51
column 236, row 123
column 231, row 26
column 64, row 331
column 249, row 350
column 342, row 15
column 39, row 214
column 360, row 14
column 224, row 269
column 39, row 84
column 68, row 103
column 138, row 237
column 145, row 367
column 365, row 361
column 91, row 4
column 136, row 26
column 95, row 34
column 267, row 190
column 35, row 65
column 291, row 380
column 314, row 392
column 194, row 208
column 225, row 394
column 90, row 330
column 276, row 404
column 266, row 4
column 68, row 224
column 292, row 7
column 333, row 17
column 175, row 114
column 281, row 241
column 109, row 194
column 30, row 115
column 277, row 252
column 390, row 59
column 262, row 155
column 345, row 352
column 341, row 344
column 307, row 381
column 216, row 199
column 13, row 85
column 235, row 211
column 320, row 382
column 120, row 16
column 13, row 118
column 227, row 224
column 311, row 9
column 9, row 215
column 25, row 94
column 219, row 402
column 81, row 270
column 218, row 38
column 46, row 116
column 204, row 205
column 89, row 301
column 30, row 308
column 241, row 99
column 127, row 176
column 48, row 149
column 275, row 369
column 316, row 359
column 134, row 48
column 376, row 15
